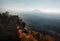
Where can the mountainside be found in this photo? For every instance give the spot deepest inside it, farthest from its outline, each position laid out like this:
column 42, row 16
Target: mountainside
column 48, row 22
column 10, row 30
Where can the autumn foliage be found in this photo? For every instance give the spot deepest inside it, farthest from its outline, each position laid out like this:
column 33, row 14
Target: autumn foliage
column 34, row 36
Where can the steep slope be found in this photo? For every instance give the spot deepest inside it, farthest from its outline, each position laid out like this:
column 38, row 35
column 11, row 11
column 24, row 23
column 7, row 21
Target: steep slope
column 9, row 31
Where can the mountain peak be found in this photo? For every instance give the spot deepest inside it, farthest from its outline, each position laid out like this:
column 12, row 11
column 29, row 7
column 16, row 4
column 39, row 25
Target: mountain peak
column 36, row 10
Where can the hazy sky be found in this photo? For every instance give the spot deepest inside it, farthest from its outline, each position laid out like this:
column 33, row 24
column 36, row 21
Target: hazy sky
column 52, row 6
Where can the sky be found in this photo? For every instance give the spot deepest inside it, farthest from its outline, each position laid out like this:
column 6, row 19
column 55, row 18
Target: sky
column 49, row 6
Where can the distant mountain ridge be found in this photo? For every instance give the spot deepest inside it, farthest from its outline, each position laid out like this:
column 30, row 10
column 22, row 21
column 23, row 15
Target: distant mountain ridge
column 45, row 21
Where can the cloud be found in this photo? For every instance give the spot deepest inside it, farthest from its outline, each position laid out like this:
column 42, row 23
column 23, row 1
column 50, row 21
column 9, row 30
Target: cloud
column 50, row 10
column 47, row 6
column 18, row 9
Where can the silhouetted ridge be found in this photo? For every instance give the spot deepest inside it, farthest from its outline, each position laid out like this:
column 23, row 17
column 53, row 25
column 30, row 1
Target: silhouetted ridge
column 8, row 30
